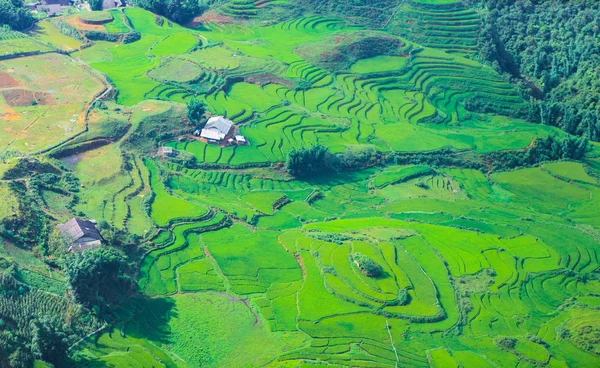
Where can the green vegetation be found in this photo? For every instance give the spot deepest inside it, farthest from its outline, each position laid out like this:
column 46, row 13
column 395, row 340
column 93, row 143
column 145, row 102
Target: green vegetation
column 316, row 160
column 395, row 203
column 14, row 15
column 549, row 49
column 195, row 110
column 96, row 17
column 98, row 278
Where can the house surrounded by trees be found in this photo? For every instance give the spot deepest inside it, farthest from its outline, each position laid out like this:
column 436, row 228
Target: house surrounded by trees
column 81, row 234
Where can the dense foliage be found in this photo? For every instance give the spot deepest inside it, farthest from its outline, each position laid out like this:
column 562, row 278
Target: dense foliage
column 95, row 4
column 195, row 110
column 98, row 278
column 312, row 161
column 368, row 266
column 542, row 150
column 340, row 52
column 180, row 11
column 14, row 14
column 553, row 48
column 35, row 324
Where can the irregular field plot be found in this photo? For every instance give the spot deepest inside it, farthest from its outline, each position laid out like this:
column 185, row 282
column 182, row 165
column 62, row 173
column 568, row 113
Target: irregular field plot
column 46, row 103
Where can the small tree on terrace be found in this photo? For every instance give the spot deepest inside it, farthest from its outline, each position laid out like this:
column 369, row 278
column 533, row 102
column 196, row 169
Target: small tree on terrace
column 368, row 266
column 316, row 160
column 195, row 110
column 95, row 4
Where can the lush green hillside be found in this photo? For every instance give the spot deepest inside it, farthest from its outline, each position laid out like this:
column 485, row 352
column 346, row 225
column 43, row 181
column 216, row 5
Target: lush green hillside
column 429, row 224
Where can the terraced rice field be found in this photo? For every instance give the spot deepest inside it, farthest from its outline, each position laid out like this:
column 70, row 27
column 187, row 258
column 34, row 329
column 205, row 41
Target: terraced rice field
column 246, row 266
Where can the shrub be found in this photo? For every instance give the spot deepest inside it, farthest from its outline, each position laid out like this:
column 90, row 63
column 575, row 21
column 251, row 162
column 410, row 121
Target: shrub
column 313, row 161
column 368, row 266
column 506, row 342
column 131, row 37
column 195, row 110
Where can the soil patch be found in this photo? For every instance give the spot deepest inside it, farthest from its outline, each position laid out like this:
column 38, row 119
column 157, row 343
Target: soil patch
column 10, row 115
column 7, row 81
column 80, row 25
column 210, row 16
column 268, row 78
column 25, row 97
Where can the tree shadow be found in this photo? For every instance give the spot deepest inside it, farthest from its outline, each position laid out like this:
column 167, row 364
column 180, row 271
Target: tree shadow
column 148, row 318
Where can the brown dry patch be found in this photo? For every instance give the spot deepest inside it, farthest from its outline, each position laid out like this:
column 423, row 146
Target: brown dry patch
column 261, row 3
column 77, row 23
column 24, row 97
column 211, row 16
column 7, row 81
column 10, row 115
column 263, row 79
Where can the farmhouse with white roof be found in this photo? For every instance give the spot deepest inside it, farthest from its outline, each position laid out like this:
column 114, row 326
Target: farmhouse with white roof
column 217, row 129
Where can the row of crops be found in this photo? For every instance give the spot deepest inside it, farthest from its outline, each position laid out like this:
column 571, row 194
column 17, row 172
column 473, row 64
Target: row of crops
column 457, row 263
column 248, row 267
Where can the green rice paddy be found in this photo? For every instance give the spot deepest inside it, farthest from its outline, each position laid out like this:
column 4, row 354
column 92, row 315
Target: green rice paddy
column 244, row 265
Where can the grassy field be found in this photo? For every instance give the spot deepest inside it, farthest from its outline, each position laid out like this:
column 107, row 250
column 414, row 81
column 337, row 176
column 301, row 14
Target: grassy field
column 241, row 264
column 43, row 101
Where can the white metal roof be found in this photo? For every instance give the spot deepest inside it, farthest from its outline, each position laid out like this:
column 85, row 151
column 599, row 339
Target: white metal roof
column 212, row 133
column 220, row 123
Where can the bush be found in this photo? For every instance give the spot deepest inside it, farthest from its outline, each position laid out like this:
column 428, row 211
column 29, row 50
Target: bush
column 507, row 342
column 131, row 37
column 195, row 110
column 368, row 266
column 313, row 161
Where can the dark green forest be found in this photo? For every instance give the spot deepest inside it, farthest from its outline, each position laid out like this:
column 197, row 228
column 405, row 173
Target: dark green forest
column 552, row 50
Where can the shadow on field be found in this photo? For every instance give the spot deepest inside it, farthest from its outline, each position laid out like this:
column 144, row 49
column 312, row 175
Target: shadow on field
column 148, row 318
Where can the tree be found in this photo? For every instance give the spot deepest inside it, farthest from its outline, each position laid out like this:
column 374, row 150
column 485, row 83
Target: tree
column 98, row 277
column 312, row 161
column 49, row 343
column 368, row 266
column 195, row 110
column 180, row 11
column 359, row 158
column 95, row 4
column 13, row 14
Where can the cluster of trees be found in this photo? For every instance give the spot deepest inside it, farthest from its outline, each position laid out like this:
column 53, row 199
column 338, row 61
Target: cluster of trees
column 551, row 49
column 15, row 15
column 95, row 4
column 33, row 324
column 179, row 11
column 99, row 278
column 372, row 13
column 313, row 161
column 318, row 160
column 549, row 149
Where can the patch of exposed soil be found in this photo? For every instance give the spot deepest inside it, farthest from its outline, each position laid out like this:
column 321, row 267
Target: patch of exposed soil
column 7, row 81
column 268, row 78
column 210, row 16
column 80, row 25
column 10, row 115
column 25, row 97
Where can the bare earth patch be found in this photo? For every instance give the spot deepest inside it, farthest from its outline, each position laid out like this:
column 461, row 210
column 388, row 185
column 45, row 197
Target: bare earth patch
column 6, row 80
column 211, row 16
column 25, row 97
column 80, row 25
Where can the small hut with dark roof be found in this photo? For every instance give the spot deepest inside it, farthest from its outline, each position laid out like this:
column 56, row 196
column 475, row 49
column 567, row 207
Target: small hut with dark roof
column 82, row 234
